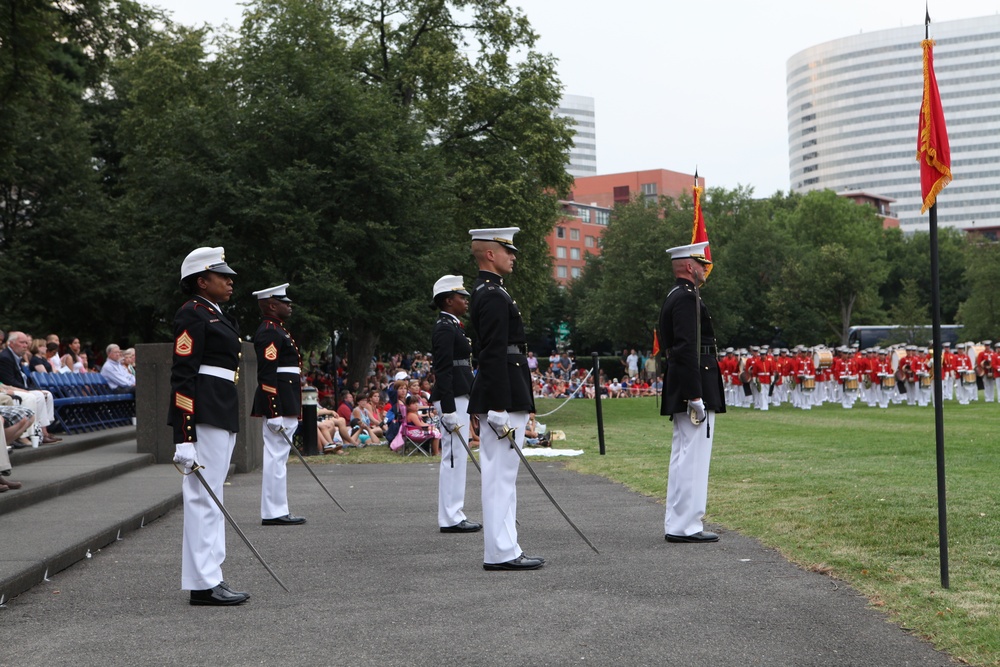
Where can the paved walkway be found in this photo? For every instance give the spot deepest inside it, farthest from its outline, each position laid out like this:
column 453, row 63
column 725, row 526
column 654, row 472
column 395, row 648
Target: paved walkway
column 381, row 586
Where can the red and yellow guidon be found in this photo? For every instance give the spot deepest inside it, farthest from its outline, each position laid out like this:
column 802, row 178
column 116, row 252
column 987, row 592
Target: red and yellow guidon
column 271, row 352
column 184, row 345
column 184, row 403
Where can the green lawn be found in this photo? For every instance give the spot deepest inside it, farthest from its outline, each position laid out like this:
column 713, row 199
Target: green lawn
column 852, row 493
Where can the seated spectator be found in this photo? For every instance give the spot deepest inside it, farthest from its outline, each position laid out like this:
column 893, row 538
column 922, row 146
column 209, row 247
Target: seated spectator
column 16, row 421
column 14, row 382
column 417, row 429
column 38, row 362
column 346, row 406
column 334, row 425
column 52, row 356
column 6, row 483
column 368, row 434
column 614, row 389
column 128, row 360
column 74, row 359
column 118, row 377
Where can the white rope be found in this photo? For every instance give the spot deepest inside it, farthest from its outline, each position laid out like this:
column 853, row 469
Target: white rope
column 583, row 383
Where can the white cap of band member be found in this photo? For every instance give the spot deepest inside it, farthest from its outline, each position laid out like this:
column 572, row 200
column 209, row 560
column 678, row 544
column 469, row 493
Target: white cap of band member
column 205, row 259
column 502, row 235
column 277, row 292
column 694, row 251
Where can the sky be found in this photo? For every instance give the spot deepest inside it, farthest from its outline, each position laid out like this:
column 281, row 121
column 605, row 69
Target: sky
column 686, row 85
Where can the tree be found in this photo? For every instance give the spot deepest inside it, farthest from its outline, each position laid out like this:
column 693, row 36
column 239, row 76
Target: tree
column 635, row 272
column 980, row 313
column 908, row 258
column 836, row 266
column 61, row 251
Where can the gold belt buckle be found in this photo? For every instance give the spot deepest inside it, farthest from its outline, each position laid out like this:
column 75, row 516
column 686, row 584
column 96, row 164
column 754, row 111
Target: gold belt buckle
column 236, row 376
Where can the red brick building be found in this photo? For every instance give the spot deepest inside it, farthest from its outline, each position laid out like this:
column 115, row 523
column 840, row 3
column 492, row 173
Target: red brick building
column 588, row 212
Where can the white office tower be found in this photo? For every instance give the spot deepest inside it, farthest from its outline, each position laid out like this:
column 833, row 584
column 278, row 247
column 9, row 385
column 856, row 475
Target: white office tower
column 853, row 109
column 583, row 154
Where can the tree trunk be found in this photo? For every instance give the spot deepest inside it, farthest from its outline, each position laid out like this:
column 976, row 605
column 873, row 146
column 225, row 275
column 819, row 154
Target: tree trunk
column 360, row 348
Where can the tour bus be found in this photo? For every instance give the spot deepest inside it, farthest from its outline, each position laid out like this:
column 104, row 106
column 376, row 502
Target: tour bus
column 873, row 335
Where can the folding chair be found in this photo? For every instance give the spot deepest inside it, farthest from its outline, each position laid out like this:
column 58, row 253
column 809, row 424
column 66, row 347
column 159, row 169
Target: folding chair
column 411, row 445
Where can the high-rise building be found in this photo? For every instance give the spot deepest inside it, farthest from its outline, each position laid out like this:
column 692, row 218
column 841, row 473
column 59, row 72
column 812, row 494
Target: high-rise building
column 853, row 108
column 588, row 213
column 583, row 155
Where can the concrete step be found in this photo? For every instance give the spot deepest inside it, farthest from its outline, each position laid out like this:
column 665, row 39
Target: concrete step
column 70, row 444
column 48, row 536
column 57, row 476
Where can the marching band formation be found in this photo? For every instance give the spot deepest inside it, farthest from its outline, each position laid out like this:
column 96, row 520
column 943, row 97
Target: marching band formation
column 762, row 377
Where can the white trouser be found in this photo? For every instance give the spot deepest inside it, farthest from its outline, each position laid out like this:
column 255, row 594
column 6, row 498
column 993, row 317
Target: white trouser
column 761, row 396
column 39, row 401
column 988, row 388
column 687, row 482
column 204, row 544
column 882, row 395
column 454, row 460
column 273, row 483
column 500, row 465
column 4, row 458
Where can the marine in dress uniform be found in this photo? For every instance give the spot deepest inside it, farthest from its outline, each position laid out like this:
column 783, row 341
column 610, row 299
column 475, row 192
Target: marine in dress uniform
column 204, row 412
column 692, row 395
column 451, row 351
column 278, row 400
column 500, row 397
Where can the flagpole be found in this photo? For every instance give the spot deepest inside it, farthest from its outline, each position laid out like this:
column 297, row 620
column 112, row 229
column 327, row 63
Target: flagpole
column 938, row 394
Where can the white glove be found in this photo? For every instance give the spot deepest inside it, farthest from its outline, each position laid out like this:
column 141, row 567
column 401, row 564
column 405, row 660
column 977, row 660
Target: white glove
column 184, row 454
column 276, row 424
column 697, row 410
column 450, row 420
column 500, row 421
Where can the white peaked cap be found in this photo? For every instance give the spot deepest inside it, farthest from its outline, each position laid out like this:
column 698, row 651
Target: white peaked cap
column 447, row 284
column 502, row 235
column 276, row 292
column 693, row 251
column 205, row 259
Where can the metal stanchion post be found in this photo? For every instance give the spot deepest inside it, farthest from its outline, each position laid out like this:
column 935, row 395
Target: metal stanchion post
column 596, row 374
column 310, row 398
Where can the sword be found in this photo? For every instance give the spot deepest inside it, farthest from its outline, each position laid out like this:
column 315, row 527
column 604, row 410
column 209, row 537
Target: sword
column 232, row 522
column 309, row 468
column 468, row 449
column 509, row 434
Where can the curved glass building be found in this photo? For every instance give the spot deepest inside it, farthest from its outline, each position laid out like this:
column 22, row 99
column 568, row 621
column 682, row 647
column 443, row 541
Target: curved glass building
column 853, row 108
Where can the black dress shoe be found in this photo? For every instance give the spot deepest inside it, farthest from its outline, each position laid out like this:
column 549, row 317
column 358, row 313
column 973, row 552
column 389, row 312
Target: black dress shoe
column 17, row 444
column 218, row 597
column 463, row 526
column 522, row 562
column 703, row 536
column 223, row 584
column 287, row 520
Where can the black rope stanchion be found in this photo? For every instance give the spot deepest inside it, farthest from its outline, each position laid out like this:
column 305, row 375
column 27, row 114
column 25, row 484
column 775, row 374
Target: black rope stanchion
column 596, row 373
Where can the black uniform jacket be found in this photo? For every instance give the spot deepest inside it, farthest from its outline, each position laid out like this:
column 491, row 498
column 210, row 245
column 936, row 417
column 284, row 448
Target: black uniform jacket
column 503, row 381
column 448, row 345
column 203, row 337
column 278, row 394
column 686, row 378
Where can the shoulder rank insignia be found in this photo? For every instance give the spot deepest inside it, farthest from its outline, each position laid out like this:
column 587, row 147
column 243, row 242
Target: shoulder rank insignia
column 184, row 345
column 271, row 352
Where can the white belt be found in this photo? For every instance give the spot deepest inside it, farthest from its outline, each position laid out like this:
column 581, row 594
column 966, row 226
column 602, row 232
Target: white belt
column 217, row 371
column 289, row 369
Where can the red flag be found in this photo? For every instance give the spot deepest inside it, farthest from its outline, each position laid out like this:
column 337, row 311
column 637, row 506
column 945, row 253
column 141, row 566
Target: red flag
column 699, row 234
column 933, row 152
column 656, row 343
